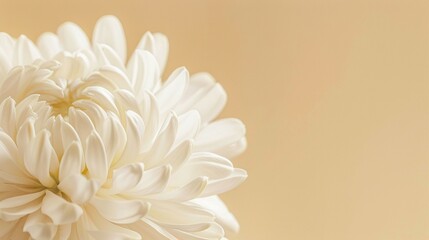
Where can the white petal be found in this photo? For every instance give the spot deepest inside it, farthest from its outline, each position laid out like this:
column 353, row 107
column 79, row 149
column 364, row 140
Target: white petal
column 143, row 71
column 68, row 133
column 6, row 44
column 40, row 159
column 225, row 184
column 78, row 188
column 163, row 143
column 204, row 164
column 106, row 55
column 215, row 231
column 63, row 232
column 105, row 230
column 126, row 177
column 151, row 230
column 109, row 77
column 179, row 213
column 39, row 226
column 108, row 30
column 120, row 211
column 72, row 37
column 189, row 125
column 162, row 48
column 173, row 89
column 153, row 181
column 101, row 96
column 204, row 95
column 150, row 112
column 93, row 110
column 25, row 52
column 59, row 210
column 72, row 161
column 5, row 64
column 12, row 171
column 80, row 123
column 72, row 67
column 96, row 160
column 16, row 207
column 219, row 135
column 135, row 132
column 233, row 149
column 190, row 191
column 177, row 157
column 157, row 44
column 49, row 45
column 223, row 215
column 114, row 137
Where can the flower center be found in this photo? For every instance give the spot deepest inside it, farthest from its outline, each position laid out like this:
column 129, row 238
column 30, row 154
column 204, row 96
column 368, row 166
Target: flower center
column 62, row 106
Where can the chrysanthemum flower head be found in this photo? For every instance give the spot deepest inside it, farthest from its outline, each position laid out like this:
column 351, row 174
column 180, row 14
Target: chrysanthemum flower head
column 93, row 146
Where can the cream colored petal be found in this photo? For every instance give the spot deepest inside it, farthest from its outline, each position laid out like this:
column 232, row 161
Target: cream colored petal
column 63, row 232
column 189, row 125
column 6, row 227
column 219, row 186
column 143, row 72
column 49, row 45
column 120, row 211
column 179, row 155
column 126, row 178
column 12, row 170
column 175, row 213
column 78, row 188
column 14, row 208
column 157, row 44
column 95, row 157
column 93, row 110
column 5, row 64
column 187, row 192
column 106, row 230
column 223, row 215
column 25, row 52
column 114, row 137
column 203, row 164
column 173, row 89
column 72, row 37
column 72, row 161
column 59, row 210
column 135, row 132
column 40, row 159
column 39, row 226
column 106, row 55
column 101, row 96
column 215, row 231
column 80, row 123
column 163, row 143
column 204, row 95
column 153, row 181
column 218, row 136
column 151, row 230
column 108, row 30
column 7, row 44
column 109, row 77
column 162, row 48
column 149, row 111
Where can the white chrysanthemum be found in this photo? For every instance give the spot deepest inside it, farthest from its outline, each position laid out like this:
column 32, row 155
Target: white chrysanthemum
column 92, row 147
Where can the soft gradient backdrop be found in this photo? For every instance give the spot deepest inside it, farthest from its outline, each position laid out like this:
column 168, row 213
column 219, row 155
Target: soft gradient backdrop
column 335, row 95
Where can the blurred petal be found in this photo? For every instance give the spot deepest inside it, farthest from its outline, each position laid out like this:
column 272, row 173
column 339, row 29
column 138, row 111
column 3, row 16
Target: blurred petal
column 108, row 30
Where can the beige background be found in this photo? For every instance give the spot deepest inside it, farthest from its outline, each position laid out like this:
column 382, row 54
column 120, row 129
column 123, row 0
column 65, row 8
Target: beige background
column 335, row 95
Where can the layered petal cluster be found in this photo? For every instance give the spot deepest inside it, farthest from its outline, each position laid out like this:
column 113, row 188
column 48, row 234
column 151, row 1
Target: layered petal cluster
column 93, row 146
